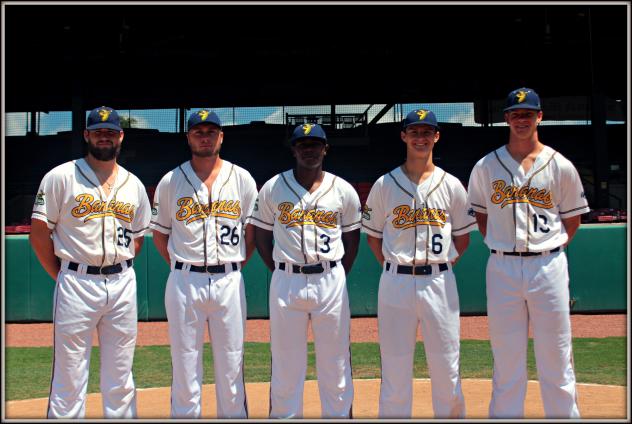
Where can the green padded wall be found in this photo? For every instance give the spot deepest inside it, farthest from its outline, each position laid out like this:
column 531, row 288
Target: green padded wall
column 597, row 263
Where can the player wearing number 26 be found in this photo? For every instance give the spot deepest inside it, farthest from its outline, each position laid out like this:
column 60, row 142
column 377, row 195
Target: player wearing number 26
column 528, row 199
column 199, row 227
column 88, row 223
column 314, row 218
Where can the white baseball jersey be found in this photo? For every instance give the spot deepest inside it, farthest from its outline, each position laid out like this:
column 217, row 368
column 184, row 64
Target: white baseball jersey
column 525, row 210
column 307, row 226
column 204, row 228
column 97, row 228
column 416, row 222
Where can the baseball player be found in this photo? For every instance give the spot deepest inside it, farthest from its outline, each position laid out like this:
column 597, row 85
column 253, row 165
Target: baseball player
column 417, row 226
column 199, row 228
column 528, row 199
column 314, row 217
column 88, row 223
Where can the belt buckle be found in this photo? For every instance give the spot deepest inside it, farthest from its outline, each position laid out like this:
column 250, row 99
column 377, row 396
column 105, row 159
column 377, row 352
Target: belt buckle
column 312, row 269
column 108, row 270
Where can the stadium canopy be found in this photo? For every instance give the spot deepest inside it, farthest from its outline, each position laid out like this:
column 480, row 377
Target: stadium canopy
column 165, row 55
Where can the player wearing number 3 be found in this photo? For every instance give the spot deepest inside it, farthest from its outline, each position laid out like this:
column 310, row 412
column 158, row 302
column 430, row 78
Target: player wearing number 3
column 417, row 226
column 528, row 199
column 314, row 217
column 199, row 214
column 89, row 219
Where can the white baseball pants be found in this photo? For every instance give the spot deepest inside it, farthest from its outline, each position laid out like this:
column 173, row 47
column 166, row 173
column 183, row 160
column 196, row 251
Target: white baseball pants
column 294, row 300
column 83, row 302
column 533, row 288
column 196, row 302
column 404, row 301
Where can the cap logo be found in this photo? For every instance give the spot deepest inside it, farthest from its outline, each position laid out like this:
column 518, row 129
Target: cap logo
column 203, row 114
column 307, row 128
column 521, row 96
column 422, row 114
column 104, row 114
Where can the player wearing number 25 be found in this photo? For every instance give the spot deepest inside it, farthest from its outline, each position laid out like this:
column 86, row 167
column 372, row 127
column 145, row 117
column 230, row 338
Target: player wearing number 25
column 199, row 227
column 528, row 199
column 314, row 218
column 417, row 226
column 88, row 223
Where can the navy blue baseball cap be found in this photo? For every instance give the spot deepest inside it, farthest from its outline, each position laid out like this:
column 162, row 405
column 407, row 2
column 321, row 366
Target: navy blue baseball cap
column 203, row 117
column 522, row 98
column 103, row 117
column 420, row 117
column 308, row 131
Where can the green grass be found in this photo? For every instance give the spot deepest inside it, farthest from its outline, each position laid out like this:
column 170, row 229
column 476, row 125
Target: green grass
column 28, row 370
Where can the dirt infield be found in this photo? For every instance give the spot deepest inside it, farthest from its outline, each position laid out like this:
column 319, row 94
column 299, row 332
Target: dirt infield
column 594, row 401
column 362, row 330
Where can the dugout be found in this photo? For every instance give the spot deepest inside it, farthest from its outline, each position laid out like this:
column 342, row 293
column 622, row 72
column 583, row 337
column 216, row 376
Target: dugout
column 356, row 69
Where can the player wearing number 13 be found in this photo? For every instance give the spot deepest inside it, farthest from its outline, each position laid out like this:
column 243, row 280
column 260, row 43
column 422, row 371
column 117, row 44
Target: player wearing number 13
column 528, row 199
column 198, row 222
column 97, row 213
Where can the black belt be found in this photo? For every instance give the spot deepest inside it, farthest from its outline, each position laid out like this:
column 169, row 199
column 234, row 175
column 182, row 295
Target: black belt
column 417, row 270
column 557, row 249
column 211, row 269
column 308, row 269
column 105, row 270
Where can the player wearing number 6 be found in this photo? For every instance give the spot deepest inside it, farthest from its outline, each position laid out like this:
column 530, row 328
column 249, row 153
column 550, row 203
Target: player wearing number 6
column 314, row 217
column 417, row 226
column 198, row 222
column 88, row 223
column 528, row 199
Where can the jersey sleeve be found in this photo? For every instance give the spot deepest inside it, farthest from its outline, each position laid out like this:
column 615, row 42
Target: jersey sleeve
column 351, row 210
column 160, row 214
column 573, row 199
column 463, row 220
column 48, row 200
column 142, row 216
column 262, row 213
column 248, row 198
column 475, row 190
column 373, row 212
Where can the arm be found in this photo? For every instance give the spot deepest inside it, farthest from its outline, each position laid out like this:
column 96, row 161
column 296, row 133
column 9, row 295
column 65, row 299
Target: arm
column 350, row 241
column 249, row 237
column 138, row 244
column 43, row 246
column 460, row 243
column 376, row 247
column 481, row 220
column 161, row 241
column 571, row 225
column 263, row 241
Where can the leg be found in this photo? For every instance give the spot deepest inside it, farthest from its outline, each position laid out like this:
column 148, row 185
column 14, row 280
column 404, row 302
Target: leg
column 331, row 323
column 508, row 332
column 549, row 311
column 117, row 340
column 288, row 337
column 75, row 317
column 227, row 323
column 397, row 332
column 183, row 302
column 439, row 312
